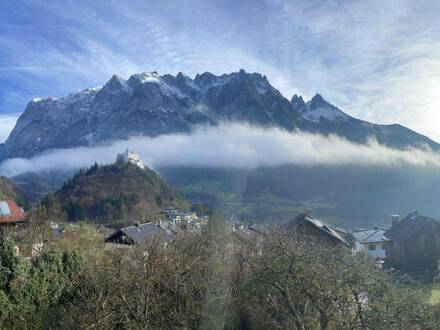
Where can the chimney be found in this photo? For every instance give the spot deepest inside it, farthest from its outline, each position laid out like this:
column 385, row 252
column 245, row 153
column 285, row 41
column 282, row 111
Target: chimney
column 395, row 218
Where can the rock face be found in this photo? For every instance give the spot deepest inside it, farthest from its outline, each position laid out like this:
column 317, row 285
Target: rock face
column 328, row 119
column 149, row 104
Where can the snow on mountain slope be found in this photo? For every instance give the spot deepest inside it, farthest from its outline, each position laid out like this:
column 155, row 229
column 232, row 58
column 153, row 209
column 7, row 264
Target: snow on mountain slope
column 150, row 104
column 317, row 108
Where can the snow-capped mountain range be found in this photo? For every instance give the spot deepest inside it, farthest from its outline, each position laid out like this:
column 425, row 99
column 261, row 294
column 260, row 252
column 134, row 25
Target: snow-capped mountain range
column 151, row 104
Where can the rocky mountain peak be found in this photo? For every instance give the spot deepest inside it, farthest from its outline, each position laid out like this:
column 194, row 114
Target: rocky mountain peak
column 318, row 101
column 297, row 102
column 318, row 109
column 206, row 79
column 183, row 77
column 149, row 104
column 115, row 80
column 144, row 77
column 116, row 84
column 242, row 72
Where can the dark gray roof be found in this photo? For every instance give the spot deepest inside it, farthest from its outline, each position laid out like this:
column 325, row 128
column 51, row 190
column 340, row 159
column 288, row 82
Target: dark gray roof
column 140, row 233
column 370, row 235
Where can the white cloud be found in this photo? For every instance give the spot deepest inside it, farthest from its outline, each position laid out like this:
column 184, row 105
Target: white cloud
column 232, row 145
column 378, row 60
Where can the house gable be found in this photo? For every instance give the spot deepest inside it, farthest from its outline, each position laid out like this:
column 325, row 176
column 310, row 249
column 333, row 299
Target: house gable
column 414, row 244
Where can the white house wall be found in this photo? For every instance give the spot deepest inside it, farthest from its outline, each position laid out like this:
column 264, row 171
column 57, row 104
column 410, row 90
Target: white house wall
column 378, row 253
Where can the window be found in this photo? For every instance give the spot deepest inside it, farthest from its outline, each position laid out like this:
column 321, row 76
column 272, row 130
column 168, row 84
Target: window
column 4, row 208
column 371, row 247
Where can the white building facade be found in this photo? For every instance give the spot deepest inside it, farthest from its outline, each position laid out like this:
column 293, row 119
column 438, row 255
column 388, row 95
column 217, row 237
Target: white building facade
column 370, row 241
column 131, row 157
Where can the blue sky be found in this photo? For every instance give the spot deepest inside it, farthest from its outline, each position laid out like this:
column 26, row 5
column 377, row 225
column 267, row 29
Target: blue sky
column 377, row 60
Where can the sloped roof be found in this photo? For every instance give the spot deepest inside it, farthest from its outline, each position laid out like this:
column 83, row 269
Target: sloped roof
column 10, row 212
column 252, row 232
column 322, row 226
column 410, row 225
column 370, row 235
column 140, row 233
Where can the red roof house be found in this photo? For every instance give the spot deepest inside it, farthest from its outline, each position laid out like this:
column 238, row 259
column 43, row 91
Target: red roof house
column 10, row 213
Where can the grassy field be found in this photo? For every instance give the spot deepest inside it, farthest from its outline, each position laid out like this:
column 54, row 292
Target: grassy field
column 434, row 297
column 429, row 292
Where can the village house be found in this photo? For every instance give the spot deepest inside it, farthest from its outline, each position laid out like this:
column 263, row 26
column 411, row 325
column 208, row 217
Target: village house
column 198, row 224
column 189, row 216
column 370, row 241
column 414, row 244
column 140, row 233
column 189, row 220
column 173, row 216
column 306, row 225
column 10, row 212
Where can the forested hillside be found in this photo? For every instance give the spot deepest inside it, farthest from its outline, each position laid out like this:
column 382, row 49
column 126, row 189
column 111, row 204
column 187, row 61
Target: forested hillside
column 121, row 192
column 9, row 189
